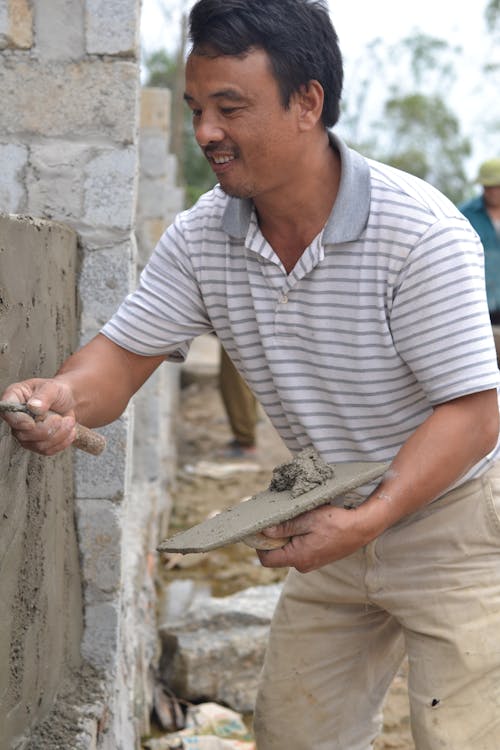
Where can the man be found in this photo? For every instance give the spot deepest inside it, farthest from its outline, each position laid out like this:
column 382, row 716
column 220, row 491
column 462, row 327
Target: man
column 351, row 298
column 483, row 212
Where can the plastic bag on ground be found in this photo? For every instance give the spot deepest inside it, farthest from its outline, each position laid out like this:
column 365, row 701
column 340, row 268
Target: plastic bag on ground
column 208, row 727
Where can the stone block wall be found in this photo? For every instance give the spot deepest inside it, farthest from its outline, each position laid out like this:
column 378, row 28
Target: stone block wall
column 69, row 151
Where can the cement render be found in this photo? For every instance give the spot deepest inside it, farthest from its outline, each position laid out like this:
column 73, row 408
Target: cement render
column 40, row 585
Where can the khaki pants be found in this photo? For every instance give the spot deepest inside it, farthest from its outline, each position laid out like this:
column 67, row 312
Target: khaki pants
column 239, row 402
column 430, row 587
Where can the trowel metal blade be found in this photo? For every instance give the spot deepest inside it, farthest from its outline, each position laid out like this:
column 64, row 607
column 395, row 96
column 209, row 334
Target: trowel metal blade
column 267, row 508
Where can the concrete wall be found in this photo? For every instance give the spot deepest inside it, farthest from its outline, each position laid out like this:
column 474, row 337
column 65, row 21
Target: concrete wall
column 40, row 585
column 69, row 124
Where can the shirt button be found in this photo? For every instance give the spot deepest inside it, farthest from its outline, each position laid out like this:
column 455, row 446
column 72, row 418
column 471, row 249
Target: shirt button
column 283, row 299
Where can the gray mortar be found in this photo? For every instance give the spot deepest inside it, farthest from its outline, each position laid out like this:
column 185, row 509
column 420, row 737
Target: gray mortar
column 40, row 587
column 304, row 472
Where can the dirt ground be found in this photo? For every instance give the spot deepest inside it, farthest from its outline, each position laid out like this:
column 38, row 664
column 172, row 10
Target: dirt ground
column 202, row 431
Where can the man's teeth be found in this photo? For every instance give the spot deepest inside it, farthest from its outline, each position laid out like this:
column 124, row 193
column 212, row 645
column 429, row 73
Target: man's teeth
column 222, row 159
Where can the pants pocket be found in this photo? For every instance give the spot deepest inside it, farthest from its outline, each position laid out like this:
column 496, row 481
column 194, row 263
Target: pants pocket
column 491, row 485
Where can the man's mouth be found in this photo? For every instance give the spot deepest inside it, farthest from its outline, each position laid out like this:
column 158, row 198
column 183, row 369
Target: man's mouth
column 222, row 159
column 219, row 158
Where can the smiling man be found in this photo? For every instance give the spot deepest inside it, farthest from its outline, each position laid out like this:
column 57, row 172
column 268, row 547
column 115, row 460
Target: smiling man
column 351, row 298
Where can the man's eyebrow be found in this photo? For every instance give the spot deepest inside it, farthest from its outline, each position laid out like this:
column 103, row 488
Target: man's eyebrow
column 230, row 94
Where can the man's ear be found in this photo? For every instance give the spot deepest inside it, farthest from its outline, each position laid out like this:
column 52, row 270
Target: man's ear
column 309, row 99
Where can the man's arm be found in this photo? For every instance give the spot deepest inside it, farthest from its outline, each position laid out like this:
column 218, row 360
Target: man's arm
column 441, row 450
column 93, row 387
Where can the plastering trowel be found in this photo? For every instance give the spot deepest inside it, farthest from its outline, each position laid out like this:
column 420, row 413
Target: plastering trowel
column 87, row 440
column 244, row 522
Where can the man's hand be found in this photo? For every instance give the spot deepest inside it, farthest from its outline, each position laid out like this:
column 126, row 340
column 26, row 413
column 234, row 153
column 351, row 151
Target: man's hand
column 318, row 537
column 51, row 434
column 93, row 386
column 441, row 450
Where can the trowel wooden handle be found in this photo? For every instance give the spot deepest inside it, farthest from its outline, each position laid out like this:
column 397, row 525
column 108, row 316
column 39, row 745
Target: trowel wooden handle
column 261, row 541
column 89, row 441
column 86, row 440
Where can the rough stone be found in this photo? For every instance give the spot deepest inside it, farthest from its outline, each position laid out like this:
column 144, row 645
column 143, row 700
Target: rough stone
column 106, row 277
column 111, row 27
column 215, row 650
column 101, row 638
column 148, row 235
column 59, row 30
column 107, row 475
column 155, row 110
column 55, row 178
column 99, row 536
column 158, row 198
column 154, row 158
column 16, row 25
column 110, row 188
column 81, row 89
column 13, row 159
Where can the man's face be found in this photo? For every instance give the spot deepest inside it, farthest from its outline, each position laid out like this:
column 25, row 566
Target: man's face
column 492, row 196
column 240, row 123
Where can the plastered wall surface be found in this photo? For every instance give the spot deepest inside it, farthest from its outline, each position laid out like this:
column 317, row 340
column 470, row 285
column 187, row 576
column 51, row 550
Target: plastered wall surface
column 40, row 585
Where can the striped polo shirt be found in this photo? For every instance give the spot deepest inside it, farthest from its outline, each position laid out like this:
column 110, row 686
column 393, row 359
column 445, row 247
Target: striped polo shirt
column 383, row 317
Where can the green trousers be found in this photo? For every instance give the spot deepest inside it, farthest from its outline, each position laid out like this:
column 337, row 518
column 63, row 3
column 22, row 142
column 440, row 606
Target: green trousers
column 239, row 402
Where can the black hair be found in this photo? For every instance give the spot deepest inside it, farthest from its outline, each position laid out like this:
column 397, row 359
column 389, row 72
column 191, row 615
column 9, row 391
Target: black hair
column 297, row 35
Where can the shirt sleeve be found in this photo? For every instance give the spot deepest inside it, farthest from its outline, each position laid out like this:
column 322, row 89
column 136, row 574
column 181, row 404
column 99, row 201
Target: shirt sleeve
column 166, row 311
column 439, row 318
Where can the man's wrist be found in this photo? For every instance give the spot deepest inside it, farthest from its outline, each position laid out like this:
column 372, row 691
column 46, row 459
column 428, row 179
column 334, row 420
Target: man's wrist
column 375, row 515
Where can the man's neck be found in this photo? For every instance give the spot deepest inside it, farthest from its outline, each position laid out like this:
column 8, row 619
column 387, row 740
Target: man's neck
column 291, row 220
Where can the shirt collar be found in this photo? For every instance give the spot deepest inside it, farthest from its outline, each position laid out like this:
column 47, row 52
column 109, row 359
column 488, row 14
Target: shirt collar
column 349, row 213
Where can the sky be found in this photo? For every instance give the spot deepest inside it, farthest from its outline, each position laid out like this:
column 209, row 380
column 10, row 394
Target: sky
column 389, row 19
column 360, row 21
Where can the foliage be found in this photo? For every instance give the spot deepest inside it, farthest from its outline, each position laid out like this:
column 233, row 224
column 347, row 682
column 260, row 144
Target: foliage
column 396, row 111
column 492, row 15
column 161, row 69
column 417, row 116
column 492, row 18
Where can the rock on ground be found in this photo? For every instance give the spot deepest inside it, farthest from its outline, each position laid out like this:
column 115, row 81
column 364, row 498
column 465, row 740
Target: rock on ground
column 215, row 650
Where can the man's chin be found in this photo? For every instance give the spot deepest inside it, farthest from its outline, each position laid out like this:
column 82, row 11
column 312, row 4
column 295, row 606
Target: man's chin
column 236, row 191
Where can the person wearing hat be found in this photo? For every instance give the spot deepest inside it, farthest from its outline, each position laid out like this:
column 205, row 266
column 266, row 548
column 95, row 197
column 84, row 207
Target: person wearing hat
column 483, row 212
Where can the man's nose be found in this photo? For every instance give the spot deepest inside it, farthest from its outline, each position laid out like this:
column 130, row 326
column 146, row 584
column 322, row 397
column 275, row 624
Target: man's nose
column 207, row 130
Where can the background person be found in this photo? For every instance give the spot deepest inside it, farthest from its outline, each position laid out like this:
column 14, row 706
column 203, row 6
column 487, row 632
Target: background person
column 483, row 212
column 241, row 408
column 351, row 298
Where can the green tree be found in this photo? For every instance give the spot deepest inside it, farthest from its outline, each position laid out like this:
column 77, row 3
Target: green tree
column 162, row 69
column 492, row 15
column 397, row 111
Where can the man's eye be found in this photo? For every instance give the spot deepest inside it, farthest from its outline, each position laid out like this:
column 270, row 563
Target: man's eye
column 229, row 110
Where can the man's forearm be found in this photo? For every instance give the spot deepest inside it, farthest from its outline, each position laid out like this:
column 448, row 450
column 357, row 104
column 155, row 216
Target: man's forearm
column 455, row 437
column 102, row 377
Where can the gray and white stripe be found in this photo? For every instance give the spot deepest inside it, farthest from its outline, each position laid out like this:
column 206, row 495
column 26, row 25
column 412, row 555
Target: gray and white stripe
column 383, row 317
